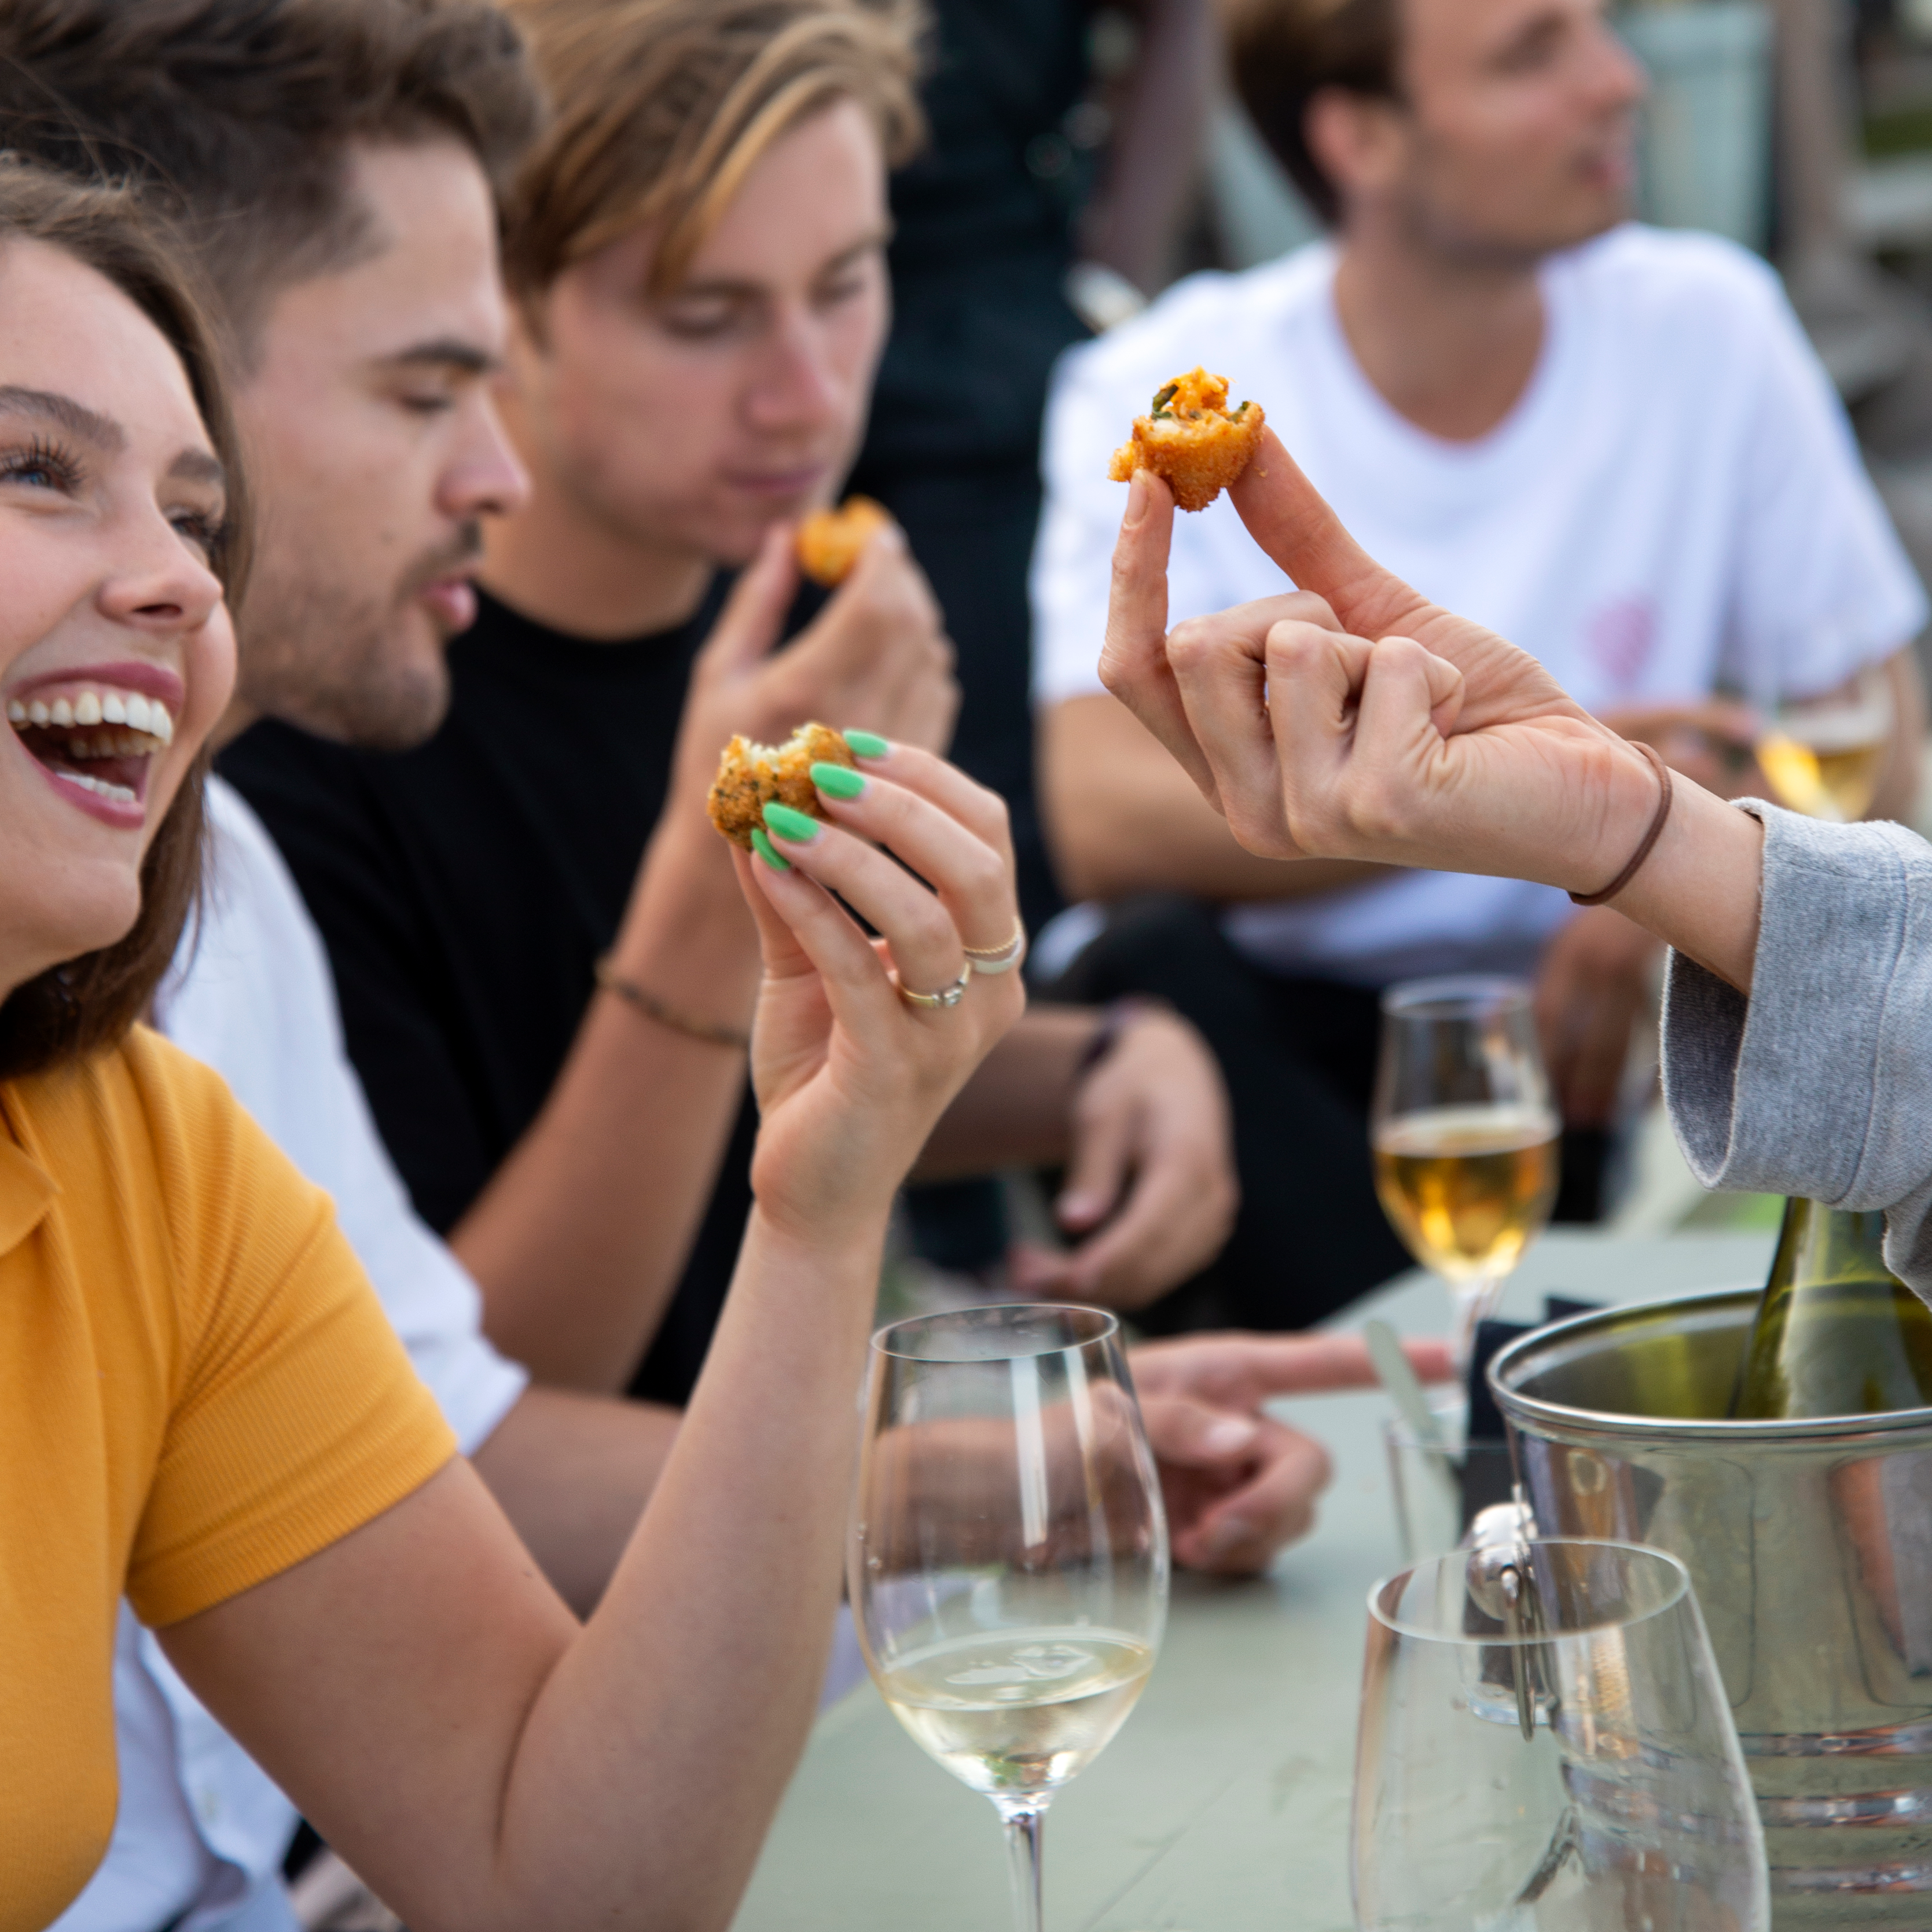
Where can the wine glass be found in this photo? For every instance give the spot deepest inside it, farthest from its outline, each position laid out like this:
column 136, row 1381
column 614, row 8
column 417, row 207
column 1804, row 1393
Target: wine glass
column 1464, row 1134
column 1007, row 1561
column 1545, row 1746
column 1824, row 755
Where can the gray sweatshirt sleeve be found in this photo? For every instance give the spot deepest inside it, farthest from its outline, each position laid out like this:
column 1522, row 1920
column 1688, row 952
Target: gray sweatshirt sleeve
column 1820, row 1084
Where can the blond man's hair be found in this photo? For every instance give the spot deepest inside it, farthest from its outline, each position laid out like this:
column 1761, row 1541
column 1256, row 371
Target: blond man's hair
column 660, row 108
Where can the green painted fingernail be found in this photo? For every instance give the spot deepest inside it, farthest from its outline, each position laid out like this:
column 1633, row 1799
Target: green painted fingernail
column 868, row 744
column 838, row 781
column 800, row 827
column 770, row 853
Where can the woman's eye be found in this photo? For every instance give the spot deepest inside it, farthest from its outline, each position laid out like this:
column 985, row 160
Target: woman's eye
column 41, row 467
column 847, row 288
column 203, row 532
column 426, row 404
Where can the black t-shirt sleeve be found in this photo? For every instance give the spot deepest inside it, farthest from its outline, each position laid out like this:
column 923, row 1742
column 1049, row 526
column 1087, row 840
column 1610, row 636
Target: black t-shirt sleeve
column 322, row 806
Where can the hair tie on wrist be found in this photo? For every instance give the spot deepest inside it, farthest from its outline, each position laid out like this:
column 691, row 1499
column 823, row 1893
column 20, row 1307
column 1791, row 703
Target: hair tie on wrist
column 1650, row 837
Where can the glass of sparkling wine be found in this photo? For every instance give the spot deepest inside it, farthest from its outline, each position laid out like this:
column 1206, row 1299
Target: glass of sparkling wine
column 1546, row 1746
column 1824, row 756
column 1464, row 1134
column 1007, row 1561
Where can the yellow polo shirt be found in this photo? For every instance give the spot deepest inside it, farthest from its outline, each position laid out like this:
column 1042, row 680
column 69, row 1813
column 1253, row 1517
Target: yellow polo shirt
column 198, row 1389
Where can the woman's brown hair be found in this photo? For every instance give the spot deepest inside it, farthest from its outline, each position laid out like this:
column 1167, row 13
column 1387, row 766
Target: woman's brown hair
column 89, row 1003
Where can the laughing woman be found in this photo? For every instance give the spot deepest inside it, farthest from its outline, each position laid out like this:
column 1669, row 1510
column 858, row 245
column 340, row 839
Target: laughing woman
column 202, row 1402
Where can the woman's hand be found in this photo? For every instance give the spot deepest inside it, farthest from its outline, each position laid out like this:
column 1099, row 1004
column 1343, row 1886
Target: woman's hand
column 849, row 1075
column 1355, row 719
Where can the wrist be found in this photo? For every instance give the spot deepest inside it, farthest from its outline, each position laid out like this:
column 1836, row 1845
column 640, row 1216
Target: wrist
column 798, row 1246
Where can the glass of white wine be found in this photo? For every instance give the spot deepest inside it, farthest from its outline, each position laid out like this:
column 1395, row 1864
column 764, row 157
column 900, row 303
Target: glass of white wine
column 1546, row 1746
column 1464, row 1134
column 1824, row 756
column 1007, row 1563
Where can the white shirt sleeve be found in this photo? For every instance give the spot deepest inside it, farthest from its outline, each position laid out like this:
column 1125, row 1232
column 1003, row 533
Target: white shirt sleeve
column 252, row 995
column 1822, row 586
column 1080, row 518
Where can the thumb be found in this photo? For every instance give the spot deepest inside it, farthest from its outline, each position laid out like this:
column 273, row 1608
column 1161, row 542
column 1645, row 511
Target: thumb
column 1291, row 520
column 754, row 615
column 1186, row 1434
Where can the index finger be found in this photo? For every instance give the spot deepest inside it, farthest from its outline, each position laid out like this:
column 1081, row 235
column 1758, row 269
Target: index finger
column 1133, row 660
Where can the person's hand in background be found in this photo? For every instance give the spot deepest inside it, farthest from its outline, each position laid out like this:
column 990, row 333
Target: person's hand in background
column 1240, row 1485
column 1597, row 975
column 877, row 657
column 1150, row 1193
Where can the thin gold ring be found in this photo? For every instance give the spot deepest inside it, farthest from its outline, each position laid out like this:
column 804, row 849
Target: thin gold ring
column 992, row 959
column 947, row 996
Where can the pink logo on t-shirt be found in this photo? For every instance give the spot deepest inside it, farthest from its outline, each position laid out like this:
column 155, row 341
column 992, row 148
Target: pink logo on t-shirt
column 1620, row 638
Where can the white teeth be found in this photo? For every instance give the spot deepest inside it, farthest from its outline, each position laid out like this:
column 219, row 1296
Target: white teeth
column 138, row 713
column 100, row 787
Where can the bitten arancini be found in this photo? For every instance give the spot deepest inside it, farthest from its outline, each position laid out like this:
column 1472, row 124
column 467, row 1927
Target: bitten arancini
column 751, row 775
column 1192, row 440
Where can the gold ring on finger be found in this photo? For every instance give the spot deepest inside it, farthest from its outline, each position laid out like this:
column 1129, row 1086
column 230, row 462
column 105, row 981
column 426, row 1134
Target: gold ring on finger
column 992, row 959
column 947, row 996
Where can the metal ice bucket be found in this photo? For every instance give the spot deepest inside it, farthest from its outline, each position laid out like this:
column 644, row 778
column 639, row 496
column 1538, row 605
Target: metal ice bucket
column 1811, row 1545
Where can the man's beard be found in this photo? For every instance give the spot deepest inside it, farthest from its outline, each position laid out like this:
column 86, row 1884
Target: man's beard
column 317, row 656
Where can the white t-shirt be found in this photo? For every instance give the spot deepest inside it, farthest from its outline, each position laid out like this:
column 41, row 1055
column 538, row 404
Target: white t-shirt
column 1675, row 502
column 201, row 1828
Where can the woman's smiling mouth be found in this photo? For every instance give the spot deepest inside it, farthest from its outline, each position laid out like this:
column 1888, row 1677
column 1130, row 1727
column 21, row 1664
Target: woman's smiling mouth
column 96, row 739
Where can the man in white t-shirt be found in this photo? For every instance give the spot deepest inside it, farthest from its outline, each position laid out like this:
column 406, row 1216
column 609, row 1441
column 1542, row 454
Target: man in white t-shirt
column 1611, row 444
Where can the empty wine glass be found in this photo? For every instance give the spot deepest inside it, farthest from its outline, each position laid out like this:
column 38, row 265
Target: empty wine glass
column 1464, row 1134
column 1007, row 1563
column 1545, row 1746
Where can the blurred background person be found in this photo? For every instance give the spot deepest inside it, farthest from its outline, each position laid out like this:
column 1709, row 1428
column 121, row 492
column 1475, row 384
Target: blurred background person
column 1610, row 443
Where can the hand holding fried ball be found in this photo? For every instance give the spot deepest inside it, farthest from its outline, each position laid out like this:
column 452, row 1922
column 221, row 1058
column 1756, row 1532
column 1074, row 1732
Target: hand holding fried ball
column 1192, row 440
column 750, row 776
column 828, row 541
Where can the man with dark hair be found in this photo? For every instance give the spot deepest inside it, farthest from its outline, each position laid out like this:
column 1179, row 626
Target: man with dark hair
column 1612, row 443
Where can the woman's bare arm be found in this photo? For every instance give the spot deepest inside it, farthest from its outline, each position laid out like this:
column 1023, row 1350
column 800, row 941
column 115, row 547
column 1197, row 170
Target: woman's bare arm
column 489, row 1765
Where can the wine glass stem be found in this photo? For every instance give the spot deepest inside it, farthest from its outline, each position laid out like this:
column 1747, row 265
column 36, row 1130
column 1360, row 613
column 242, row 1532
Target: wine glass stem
column 1475, row 1303
column 1021, row 1820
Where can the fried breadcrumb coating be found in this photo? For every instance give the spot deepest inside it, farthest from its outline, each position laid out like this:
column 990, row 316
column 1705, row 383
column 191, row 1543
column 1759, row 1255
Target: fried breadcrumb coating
column 829, row 541
column 750, row 775
column 1192, row 438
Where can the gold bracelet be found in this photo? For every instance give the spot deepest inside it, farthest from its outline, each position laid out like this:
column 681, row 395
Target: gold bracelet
column 610, row 980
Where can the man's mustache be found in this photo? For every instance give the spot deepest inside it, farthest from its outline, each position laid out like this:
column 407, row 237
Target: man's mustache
column 462, row 550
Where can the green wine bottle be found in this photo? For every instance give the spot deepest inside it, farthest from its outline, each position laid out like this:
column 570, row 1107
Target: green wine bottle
column 1836, row 1334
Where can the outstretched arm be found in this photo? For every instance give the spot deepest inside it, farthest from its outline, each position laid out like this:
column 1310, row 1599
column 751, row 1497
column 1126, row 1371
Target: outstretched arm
column 421, row 1693
column 1355, row 719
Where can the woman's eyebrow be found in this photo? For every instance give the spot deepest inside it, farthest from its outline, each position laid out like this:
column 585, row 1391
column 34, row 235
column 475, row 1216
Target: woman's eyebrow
column 196, row 466
column 76, row 419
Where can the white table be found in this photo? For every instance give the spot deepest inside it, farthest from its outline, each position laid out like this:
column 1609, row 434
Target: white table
column 1223, row 1804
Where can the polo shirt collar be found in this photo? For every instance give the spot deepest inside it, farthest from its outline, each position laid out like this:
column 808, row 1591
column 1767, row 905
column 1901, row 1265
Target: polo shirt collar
column 27, row 1191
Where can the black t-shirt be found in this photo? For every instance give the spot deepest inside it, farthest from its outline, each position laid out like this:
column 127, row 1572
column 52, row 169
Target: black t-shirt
column 982, row 239
column 465, row 891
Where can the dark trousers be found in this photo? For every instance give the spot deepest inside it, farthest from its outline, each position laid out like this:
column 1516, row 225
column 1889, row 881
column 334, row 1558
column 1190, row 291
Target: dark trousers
column 1299, row 1059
